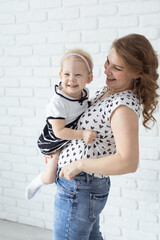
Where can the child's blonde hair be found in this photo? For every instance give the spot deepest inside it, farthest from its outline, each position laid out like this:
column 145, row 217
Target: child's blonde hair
column 81, row 52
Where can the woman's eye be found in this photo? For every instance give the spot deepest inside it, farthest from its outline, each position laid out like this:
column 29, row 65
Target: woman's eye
column 118, row 69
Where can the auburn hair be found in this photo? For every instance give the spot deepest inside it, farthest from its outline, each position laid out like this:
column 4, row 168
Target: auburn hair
column 139, row 56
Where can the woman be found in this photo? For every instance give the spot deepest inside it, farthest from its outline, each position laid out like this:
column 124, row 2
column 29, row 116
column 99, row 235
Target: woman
column 83, row 185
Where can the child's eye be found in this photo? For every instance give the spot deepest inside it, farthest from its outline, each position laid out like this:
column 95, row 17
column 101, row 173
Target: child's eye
column 78, row 75
column 66, row 74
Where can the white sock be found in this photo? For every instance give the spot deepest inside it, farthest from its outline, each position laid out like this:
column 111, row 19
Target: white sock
column 34, row 186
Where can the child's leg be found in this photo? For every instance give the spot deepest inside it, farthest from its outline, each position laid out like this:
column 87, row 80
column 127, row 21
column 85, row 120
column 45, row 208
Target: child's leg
column 47, row 177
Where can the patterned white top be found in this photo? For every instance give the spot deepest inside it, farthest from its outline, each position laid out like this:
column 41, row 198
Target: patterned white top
column 97, row 117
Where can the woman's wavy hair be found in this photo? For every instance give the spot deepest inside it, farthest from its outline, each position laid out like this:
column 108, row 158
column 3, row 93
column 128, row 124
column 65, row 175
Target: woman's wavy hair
column 139, row 56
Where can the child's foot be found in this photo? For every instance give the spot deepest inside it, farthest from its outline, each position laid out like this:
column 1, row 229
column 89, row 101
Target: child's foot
column 34, row 186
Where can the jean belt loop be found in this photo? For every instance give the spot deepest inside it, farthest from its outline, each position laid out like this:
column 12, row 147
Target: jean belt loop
column 87, row 178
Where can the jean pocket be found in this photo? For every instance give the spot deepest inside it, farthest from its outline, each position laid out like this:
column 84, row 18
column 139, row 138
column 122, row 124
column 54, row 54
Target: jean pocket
column 64, row 190
column 97, row 203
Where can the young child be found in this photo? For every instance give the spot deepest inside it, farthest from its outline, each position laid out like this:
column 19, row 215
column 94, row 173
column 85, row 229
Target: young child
column 66, row 106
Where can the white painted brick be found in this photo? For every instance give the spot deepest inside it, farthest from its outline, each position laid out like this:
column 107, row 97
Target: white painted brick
column 79, row 3
column 151, row 32
column 30, row 39
column 139, row 215
column 10, row 121
column 30, row 102
column 40, row 215
column 24, row 168
column 150, row 153
column 102, row 36
column 9, row 82
column 138, row 235
column 18, row 72
column 9, row 61
column 48, row 50
column 30, row 17
column 125, row 202
column 31, row 221
column 12, row 6
column 13, row 176
column 29, row 205
column 4, row 130
column 118, row 21
column 64, row 37
column 16, row 211
column 9, row 101
column 19, row 92
column 15, row 112
column 45, row 92
column 9, row 216
column 2, row 111
column 43, row 4
column 12, row 157
column 35, row 61
column 35, row 82
column 45, row 27
column 63, row 13
column 150, row 20
column 7, row 201
column 7, row 40
column 98, row 10
column 2, row 92
column 151, row 175
column 149, row 227
column 148, row 185
column 25, row 150
column 45, row 72
column 5, row 165
column 6, row 18
column 80, row 24
column 142, row 7
column 18, row 51
column 14, row 29
column 140, row 195
column 4, row 148
column 6, row 183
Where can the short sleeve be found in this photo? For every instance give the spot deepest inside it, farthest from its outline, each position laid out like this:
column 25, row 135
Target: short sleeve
column 126, row 98
column 56, row 109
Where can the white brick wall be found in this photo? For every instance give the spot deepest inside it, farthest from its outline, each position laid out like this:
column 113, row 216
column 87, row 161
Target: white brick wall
column 33, row 37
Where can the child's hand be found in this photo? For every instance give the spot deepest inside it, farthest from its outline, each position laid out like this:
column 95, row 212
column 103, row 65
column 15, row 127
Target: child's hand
column 89, row 135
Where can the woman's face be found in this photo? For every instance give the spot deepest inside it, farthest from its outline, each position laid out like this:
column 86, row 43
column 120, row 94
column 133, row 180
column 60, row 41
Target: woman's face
column 119, row 78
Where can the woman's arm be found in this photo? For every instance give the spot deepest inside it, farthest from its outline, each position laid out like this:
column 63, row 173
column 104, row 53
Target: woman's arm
column 124, row 124
column 60, row 131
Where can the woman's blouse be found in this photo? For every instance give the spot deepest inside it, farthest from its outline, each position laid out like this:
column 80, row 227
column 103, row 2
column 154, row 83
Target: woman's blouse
column 97, row 117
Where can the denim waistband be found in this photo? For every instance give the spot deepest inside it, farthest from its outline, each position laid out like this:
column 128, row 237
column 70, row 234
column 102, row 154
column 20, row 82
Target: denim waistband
column 86, row 177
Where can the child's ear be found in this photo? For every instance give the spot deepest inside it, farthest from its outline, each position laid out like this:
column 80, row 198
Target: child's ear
column 90, row 78
column 60, row 75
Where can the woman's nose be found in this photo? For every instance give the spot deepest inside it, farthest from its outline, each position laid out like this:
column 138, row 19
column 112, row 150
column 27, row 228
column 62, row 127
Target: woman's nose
column 107, row 70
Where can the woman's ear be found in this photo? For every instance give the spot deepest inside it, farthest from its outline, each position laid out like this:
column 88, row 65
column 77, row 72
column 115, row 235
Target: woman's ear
column 90, row 78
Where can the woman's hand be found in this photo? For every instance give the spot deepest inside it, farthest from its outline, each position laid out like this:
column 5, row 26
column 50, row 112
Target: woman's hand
column 69, row 171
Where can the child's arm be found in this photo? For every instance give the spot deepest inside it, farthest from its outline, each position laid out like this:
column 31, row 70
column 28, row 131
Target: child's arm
column 60, row 131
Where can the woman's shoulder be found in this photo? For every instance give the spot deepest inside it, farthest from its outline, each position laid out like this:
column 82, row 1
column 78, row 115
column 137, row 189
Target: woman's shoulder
column 127, row 98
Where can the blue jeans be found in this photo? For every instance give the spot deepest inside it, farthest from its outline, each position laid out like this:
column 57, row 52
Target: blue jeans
column 77, row 206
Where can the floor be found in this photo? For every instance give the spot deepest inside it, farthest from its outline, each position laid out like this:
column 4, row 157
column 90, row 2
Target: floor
column 16, row 231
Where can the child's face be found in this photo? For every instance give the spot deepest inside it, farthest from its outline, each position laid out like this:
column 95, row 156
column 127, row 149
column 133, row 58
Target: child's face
column 74, row 76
